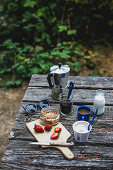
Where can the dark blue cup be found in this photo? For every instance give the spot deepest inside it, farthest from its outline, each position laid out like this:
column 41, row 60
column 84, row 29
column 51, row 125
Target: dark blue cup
column 83, row 113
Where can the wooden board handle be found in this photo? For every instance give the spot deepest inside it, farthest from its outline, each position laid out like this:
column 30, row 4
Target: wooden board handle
column 67, row 152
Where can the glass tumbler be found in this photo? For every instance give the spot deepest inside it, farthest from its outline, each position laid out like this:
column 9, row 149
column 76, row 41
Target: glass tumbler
column 66, row 105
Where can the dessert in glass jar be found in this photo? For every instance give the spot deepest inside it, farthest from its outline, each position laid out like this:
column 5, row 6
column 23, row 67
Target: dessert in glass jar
column 50, row 115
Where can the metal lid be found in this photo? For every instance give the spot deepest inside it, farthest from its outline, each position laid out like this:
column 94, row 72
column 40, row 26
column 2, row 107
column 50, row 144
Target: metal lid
column 60, row 69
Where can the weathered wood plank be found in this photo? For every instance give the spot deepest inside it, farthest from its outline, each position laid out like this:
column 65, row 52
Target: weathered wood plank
column 20, row 153
column 79, row 81
column 26, row 166
column 80, row 96
column 96, row 153
column 102, row 131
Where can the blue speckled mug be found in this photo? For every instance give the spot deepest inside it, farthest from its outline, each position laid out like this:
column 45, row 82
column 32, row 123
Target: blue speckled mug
column 83, row 113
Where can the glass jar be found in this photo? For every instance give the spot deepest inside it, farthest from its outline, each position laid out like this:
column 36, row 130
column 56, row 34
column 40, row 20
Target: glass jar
column 99, row 102
column 66, row 105
column 50, row 115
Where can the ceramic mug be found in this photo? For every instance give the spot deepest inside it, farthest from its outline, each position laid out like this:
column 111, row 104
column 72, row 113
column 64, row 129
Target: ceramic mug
column 83, row 113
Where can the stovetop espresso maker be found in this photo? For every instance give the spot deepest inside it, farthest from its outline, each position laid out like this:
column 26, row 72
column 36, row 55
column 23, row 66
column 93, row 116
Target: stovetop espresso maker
column 57, row 79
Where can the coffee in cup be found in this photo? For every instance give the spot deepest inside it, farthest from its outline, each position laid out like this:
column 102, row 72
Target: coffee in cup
column 83, row 113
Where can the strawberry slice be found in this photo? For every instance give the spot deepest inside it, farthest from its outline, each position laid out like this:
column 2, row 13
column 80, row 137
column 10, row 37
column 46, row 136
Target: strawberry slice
column 38, row 129
column 58, row 129
column 48, row 127
column 54, row 135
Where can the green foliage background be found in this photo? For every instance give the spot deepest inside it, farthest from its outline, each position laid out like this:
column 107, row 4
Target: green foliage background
column 34, row 35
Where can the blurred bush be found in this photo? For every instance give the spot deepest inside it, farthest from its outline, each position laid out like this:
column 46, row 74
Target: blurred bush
column 34, row 35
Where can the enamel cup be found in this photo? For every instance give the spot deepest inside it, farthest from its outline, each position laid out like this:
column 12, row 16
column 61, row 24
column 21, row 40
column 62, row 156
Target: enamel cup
column 83, row 113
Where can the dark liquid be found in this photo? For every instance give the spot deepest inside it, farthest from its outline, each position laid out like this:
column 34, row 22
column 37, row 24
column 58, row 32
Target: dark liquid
column 65, row 107
column 83, row 111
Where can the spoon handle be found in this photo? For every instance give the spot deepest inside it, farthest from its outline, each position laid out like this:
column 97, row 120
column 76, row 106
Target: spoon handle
column 92, row 119
column 70, row 89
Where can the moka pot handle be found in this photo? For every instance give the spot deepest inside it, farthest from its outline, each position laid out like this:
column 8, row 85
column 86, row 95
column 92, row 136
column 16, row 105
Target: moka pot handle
column 49, row 80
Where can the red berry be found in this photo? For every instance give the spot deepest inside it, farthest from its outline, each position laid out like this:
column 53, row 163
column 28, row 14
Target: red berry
column 58, row 129
column 54, row 135
column 38, row 129
column 48, row 127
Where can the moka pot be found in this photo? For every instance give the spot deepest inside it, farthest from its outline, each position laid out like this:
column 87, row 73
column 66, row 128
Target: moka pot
column 58, row 78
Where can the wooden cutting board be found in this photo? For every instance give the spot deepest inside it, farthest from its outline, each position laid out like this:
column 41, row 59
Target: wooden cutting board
column 45, row 137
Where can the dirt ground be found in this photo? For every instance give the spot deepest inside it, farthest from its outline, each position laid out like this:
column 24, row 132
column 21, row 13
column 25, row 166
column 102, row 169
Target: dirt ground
column 10, row 100
column 9, row 105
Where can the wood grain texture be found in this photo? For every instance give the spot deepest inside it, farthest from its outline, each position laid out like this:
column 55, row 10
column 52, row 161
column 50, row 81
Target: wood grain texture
column 96, row 153
column 79, row 82
column 80, row 96
column 21, row 155
column 101, row 133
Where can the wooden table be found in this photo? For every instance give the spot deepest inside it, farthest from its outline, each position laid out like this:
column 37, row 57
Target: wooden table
column 96, row 153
